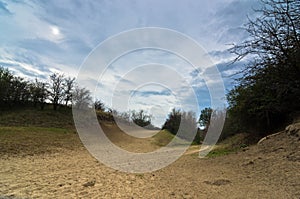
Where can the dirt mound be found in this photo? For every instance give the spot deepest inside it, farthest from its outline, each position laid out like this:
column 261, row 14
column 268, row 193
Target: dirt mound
column 293, row 129
column 285, row 143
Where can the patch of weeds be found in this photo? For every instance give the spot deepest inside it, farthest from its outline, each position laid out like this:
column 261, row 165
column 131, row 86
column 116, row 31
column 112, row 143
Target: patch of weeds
column 218, row 152
column 164, row 137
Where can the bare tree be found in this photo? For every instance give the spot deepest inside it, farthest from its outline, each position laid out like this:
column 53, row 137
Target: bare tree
column 274, row 36
column 81, row 98
column 68, row 89
column 56, row 89
column 39, row 93
column 99, row 105
column 270, row 83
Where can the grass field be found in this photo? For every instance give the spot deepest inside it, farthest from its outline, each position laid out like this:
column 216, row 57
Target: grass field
column 32, row 117
column 164, row 137
column 24, row 130
column 232, row 144
column 30, row 131
column 36, row 140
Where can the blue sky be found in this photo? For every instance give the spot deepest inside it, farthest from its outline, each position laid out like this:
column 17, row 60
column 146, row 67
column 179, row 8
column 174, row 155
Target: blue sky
column 41, row 37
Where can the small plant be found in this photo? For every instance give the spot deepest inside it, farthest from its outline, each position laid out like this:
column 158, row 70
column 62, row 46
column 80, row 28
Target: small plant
column 218, row 152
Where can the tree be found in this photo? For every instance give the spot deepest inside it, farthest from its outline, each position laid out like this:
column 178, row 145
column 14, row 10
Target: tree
column 140, row 118
column 5, row 82
column 39, row 93
column 68, row 89
column 56, row 89
column 269, row 88
column 189, row 126
column 173, row 121
column 81, row 98
column 14, row 90
column 99, row 105
column 205, row 116
column 185, row 121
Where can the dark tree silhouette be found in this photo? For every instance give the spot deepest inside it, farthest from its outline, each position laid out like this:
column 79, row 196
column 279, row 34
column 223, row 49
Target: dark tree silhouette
column 56, row 89
column 5, row 81
column 69, row 84
column 39, row 93
column 269, row 90
column 205, row 116
column 141, row 118
column 81, row 98
column 99, row 105
column 185, row 121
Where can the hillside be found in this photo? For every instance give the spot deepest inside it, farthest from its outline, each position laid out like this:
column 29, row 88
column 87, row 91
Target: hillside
column 33, row 117
column 39, row 160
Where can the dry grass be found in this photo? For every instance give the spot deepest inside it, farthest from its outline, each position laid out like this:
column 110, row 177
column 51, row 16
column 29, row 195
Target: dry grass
column 164, row 137
column 231, row 144
column 32, row 117
column 23, row 141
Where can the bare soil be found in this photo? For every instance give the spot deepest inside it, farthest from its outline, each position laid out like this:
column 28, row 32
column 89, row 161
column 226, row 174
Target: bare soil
column 52, row 167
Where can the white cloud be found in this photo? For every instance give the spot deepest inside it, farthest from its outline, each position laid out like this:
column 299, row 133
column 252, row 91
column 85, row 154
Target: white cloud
column 56, row 37
column 30, row 26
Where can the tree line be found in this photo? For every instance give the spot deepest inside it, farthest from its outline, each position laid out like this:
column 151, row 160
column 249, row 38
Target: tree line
column 268, row 93
column 61, row 91
column 58, row 90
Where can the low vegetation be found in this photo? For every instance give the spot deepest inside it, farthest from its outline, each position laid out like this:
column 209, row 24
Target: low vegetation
column 268, row 90
column 33, row 117
column 36, row 140
column 164, row 137
column 265, row 98
column 231, row 144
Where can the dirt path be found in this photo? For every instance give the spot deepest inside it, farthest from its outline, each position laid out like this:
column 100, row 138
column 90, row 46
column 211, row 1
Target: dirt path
column 264, row 171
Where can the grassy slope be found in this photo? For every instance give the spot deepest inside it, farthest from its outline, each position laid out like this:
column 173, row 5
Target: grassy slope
column 35, row 140
column 31, row 131
column 164, row 137
column 38, row 118
column 230, row 145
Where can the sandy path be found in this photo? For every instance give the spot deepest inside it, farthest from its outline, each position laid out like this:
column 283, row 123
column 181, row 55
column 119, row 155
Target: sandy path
column 63, row 175
column 260, row 172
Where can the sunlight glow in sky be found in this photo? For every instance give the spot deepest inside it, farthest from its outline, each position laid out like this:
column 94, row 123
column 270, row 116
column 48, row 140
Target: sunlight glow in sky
column 38, row 38
column 55, row 30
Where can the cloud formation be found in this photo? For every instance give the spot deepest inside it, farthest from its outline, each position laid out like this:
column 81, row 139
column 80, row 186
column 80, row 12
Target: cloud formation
column 41, row 37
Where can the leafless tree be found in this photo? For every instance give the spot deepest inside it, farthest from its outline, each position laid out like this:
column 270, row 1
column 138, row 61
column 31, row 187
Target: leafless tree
column 69, row 84
column 56, row 89
column 81, row 98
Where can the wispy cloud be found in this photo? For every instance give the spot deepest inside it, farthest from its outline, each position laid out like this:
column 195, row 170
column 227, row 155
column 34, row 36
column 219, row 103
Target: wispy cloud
column 149, row 93
column 3, row 9
column 41, row 37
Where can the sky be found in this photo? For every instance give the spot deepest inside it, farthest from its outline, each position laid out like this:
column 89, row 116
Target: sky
column 38, row 38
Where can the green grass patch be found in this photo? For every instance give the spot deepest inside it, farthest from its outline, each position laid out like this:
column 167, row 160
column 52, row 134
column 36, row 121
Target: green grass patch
column 218, row 152
column 164, row 137
column 232, row 144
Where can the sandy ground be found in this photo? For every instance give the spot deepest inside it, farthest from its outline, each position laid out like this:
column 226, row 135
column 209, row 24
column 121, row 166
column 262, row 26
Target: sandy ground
column 268, row 170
